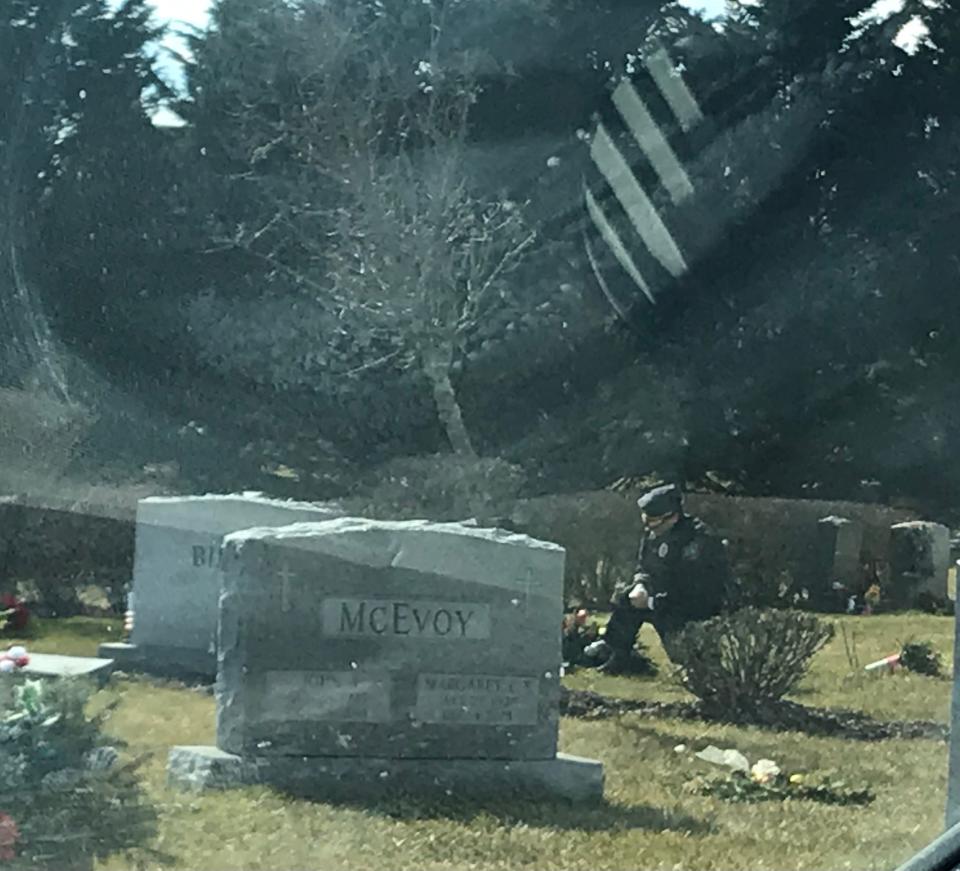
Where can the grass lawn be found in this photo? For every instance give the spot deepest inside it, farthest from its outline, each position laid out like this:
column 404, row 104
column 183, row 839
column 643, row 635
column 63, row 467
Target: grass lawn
column 648, row 819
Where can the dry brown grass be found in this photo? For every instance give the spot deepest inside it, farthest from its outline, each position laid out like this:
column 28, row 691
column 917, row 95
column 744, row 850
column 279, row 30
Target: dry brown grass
column 648, row 820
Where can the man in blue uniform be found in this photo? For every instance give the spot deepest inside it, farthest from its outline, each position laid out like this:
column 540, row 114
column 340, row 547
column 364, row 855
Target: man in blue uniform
column 681, row 576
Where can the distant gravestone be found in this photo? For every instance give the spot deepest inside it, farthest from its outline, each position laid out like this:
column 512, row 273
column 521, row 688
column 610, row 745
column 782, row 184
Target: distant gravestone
column 355, row 652
column 919, row 562
column 176, row 576
column 835, row 558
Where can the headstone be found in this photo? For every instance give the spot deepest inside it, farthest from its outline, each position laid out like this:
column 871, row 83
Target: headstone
column 919, row 562
column 835, row 559
column 845, row 538
column 176, row 576
column 358, row 651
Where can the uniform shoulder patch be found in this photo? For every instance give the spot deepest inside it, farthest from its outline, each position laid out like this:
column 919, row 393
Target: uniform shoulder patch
column 692, row 550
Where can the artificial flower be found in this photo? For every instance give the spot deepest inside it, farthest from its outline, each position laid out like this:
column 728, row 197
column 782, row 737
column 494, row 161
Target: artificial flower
column 765, row 771
column 9, row 835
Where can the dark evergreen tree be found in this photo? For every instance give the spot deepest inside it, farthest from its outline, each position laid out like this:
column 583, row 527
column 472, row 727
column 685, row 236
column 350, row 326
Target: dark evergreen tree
column 31, row 71
column 110, row 234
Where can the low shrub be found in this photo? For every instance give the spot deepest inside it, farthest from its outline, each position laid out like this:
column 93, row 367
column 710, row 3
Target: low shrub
column 931, row 603
column 921, row 657
column 738, row 664
column 66, row 797
column 738, row 786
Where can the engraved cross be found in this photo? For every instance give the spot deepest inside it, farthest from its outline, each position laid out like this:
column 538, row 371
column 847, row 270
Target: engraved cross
column 285, row 577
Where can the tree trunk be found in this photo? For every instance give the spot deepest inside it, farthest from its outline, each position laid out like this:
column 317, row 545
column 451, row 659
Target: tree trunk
column 448, row 408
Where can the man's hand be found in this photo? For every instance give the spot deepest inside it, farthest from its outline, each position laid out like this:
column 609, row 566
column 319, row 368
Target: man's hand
column 639, row 597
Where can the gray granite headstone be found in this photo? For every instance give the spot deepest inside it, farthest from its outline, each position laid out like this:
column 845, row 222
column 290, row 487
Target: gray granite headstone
column 176, row 575
column 919, row 561
column 390, row 644
column 835, row 557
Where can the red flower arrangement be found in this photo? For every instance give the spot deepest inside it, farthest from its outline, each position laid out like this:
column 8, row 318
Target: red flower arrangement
column 16, row 614
column 14, row 658
column 9, row 835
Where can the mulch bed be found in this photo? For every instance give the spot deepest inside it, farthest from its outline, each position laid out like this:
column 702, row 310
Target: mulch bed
column 784, row 716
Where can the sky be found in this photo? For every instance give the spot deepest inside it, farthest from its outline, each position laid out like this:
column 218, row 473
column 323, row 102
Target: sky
column 195, row 12
column 177, row 13
column 182, row 11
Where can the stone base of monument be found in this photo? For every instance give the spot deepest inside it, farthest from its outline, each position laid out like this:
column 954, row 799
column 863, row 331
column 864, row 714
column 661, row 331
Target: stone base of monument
column 127, row 657
column 169, row 662
column 565, row 777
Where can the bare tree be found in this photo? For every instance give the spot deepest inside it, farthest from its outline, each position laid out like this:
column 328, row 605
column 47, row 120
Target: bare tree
column 384, row 208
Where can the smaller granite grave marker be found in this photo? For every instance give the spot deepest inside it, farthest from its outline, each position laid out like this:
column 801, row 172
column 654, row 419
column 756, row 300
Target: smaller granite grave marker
column 835, row 560
column 919, row 562
column 176, row 576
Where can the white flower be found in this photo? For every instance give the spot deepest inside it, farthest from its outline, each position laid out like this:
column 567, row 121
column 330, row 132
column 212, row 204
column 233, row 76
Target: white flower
column 764, row 770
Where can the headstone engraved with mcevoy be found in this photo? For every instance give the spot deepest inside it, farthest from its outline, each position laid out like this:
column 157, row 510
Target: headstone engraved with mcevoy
column 429, row 651
column 400, row 618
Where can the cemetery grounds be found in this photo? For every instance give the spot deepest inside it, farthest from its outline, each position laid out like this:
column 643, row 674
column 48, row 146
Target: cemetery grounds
column 650, row 818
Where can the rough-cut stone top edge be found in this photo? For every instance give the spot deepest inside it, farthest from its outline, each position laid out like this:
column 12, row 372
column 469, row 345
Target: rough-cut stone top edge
column 254, row 497
column 919, row 524
column 490, row 557
column 352, row 525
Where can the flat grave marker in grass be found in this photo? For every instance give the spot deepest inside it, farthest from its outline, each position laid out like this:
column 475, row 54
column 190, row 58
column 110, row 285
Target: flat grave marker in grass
column 53, row 665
